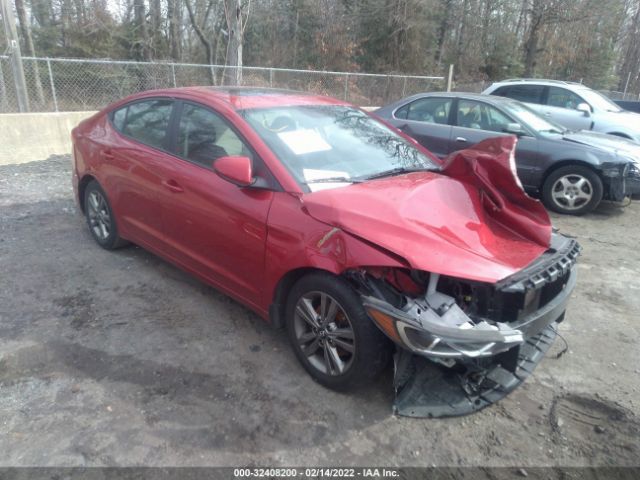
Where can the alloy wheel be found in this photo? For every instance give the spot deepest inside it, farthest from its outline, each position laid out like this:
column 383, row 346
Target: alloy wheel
column 324, row 333
column 572, row 192
column 99, row 216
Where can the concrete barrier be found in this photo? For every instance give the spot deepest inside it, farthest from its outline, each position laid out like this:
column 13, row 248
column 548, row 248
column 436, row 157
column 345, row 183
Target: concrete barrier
column 26, row 137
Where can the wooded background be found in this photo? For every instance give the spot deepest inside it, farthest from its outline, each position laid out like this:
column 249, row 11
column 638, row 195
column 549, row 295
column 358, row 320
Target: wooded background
column 593, row 41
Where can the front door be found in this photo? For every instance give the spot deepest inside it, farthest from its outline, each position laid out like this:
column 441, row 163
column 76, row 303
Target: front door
column 476, row 121
column 214, row 227
column 561, row 107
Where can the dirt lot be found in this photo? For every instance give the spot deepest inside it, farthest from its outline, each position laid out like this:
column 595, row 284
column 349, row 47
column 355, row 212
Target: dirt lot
column 122, row 359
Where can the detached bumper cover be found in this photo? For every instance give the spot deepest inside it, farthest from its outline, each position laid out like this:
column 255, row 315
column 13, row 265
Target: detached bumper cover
column 425, row 389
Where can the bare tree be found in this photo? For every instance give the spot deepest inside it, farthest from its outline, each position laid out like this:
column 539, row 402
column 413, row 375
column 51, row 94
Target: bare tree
column 25, row 32
column 174, row 15
column 199, row 28
column 141, row 34
column 237, row 15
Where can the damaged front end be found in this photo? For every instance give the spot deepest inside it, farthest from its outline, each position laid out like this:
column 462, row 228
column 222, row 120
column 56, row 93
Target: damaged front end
column 466, row 344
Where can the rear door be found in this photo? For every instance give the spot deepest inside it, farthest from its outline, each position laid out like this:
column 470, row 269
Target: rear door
column 427, row 120
column 131, row 163
column 476, row 121
column 561, row 106
column 214, row 228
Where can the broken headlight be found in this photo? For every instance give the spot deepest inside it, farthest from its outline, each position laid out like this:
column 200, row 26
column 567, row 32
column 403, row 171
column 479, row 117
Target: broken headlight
column 434, row 325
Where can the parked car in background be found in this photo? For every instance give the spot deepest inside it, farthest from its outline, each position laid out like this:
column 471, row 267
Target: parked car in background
column 572, row 171
column 325, row 221
column 572, row 105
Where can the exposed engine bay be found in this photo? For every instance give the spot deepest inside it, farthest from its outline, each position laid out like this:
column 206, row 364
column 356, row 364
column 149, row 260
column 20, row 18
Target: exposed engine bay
column 462, row 344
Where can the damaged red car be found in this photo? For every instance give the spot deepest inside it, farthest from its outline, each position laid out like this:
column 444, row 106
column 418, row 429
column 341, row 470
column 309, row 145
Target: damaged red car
column 325, row 221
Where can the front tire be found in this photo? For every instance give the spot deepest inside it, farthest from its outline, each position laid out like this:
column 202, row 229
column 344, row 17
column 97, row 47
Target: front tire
column 332, row 335
column 100, row 218
column 572, row 190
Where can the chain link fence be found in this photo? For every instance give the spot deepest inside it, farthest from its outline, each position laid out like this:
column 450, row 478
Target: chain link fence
column 56, row 84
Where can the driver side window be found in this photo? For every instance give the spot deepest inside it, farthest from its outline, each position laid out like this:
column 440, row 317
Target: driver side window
column 480, row 116
column 563, row 98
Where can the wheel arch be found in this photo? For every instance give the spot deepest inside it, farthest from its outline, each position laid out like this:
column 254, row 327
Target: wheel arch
column 281, row 292
column 565, row 163
column 82, row 187
column 620, row 134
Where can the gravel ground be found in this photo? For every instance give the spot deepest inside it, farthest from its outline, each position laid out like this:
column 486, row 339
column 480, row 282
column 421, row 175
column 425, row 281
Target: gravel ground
column 121, row 359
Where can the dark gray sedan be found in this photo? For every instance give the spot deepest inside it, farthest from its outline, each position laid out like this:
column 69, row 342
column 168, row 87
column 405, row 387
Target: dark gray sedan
column 571, row 171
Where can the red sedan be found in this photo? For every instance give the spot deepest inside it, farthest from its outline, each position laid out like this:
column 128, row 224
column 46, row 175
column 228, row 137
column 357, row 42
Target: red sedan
column 340, row 228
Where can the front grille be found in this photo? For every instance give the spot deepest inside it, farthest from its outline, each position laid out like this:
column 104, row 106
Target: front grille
column 512, row 306
column 537, row 289
column 558, row 269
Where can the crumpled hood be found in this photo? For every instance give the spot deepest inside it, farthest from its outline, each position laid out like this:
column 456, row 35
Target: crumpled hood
column 471, row 220
column 607, row 142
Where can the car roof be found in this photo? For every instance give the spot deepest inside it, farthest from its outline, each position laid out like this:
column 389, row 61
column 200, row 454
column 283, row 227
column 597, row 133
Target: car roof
column 240, row 98
column 541, row 81
column 464, row 95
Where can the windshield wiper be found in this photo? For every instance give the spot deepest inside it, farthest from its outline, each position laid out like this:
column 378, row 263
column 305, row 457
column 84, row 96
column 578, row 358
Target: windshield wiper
column 334, row 180
column 394, row 171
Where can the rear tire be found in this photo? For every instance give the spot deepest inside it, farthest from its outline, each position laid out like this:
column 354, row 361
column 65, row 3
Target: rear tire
column 572, row 190
column 100, row 218
column 341, row 349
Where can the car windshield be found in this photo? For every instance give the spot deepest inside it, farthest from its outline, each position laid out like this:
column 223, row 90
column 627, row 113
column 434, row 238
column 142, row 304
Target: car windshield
column 527, row 116
column 599, row 101
column 327, row 146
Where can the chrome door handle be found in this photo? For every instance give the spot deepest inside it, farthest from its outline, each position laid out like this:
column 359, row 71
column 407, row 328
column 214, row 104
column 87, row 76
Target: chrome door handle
column 461, row 139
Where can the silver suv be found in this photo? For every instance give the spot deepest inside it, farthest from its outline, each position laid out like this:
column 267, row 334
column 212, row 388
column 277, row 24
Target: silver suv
column 572, row 105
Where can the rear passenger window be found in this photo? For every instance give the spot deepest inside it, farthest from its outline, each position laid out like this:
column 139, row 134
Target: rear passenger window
column 402, row 112
column 432, row 110
column 146, row 122
column 526, row 93
column 203, row 136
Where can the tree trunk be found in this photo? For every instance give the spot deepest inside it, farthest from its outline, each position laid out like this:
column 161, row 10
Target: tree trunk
column 533, row 37
column 206, row 43
column 156, row 27
column 141, row 35
column 461, row 32
column 295, row 38
column 25, row 31
column 235, row 28
column 174, row 14
column 443, row 30
column 41, row 10
column 631, row 64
